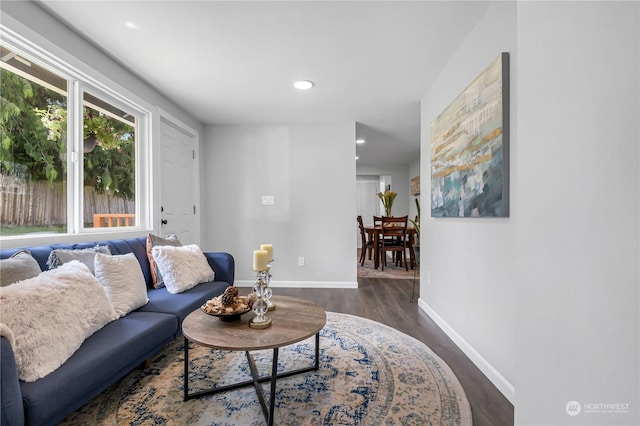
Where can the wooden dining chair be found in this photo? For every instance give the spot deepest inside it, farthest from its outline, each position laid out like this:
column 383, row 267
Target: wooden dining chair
column 367, row 244
column 377, row 221
column 394, row 239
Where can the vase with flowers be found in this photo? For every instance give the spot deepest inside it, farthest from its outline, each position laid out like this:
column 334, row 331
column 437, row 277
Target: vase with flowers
column 387, row 198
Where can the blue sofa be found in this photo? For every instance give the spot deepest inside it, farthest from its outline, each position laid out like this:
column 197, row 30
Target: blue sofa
column 110, row 353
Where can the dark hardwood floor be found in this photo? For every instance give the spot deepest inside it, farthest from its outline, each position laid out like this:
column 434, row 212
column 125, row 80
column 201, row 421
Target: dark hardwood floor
column 387, row 301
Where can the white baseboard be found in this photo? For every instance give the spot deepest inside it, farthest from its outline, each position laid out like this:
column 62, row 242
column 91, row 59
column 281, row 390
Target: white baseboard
column 503, row 385
column 301, row 284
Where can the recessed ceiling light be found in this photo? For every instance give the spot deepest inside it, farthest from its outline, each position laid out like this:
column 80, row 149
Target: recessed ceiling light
column 131, row 25
column 359, row 141
column 303, row 84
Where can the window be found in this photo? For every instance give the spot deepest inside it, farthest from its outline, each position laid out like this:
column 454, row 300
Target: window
column 70, row 151
column 109, row 135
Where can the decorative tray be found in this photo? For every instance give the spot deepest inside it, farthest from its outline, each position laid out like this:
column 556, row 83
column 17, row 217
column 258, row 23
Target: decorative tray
column 213, row 308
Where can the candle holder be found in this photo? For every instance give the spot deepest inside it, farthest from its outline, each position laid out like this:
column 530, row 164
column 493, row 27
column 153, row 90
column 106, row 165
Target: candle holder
column 268, row 293
column 260, row 306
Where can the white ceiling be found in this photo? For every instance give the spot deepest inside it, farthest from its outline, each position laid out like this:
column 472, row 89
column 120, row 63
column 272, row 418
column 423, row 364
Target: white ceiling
column 235, row 61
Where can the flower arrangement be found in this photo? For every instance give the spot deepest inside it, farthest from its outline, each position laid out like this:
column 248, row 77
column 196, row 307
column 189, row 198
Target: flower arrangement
column 387, row 198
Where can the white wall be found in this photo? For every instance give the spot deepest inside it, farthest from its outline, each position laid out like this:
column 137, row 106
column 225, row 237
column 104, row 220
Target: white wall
column 577, row 209
column 310, row 170
column 399, row 183
column 546, row 302
column 472, row 291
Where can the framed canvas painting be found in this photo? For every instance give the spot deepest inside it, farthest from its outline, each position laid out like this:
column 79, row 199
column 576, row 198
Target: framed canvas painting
column 470, row 149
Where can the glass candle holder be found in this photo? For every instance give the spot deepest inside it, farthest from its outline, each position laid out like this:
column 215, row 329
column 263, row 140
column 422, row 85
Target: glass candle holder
column 267, row 292
column 260, row 307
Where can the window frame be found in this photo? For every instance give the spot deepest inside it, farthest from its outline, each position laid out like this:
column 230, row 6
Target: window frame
column 77, row 83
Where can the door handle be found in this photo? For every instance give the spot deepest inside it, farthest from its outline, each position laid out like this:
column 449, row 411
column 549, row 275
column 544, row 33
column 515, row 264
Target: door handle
column 163, row 221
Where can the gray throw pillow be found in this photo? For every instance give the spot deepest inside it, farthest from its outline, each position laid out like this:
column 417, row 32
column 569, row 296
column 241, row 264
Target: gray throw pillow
column 87, row 256
column 20, row 266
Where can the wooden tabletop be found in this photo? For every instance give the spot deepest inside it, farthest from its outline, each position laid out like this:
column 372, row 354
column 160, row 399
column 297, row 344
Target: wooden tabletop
column 293, row 320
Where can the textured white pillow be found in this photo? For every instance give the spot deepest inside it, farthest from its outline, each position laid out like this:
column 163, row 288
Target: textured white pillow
column 182, row 267
column 123, row 281
column 51, row 315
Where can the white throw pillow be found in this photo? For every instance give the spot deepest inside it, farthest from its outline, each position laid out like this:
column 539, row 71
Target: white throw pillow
column 51, row 315
column 182, row 267
column 123, row 281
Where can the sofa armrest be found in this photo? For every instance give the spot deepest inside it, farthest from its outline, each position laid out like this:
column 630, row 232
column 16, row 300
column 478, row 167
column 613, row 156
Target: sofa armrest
column 223, row 264
column 11, row 408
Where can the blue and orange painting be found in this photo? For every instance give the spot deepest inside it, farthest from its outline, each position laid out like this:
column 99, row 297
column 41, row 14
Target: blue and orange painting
column 469, row 149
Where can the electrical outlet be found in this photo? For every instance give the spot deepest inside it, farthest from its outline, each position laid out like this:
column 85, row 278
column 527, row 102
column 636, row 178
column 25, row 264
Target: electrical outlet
column 300, row 260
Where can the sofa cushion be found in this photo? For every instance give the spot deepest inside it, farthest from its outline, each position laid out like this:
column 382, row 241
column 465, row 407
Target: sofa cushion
column 181, row 305
column 12, row 411
column 102, row 360
column 122, row 279
column 182, row 268
column 51, row 315
column 20, row 266
column 85, row 255
column 7, row 333
column 155, row 241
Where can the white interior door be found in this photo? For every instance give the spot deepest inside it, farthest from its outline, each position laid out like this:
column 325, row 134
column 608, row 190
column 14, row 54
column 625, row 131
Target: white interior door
column 367, row 201
column 179, row 183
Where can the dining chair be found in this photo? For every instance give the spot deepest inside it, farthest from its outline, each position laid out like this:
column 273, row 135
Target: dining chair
column 367, row 244
column 394, row 239
column 377, row 221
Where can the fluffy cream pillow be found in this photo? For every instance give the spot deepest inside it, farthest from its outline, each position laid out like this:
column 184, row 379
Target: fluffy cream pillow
column 20, row 266
column 123, row 281
column 182, row 267
column 51, row 315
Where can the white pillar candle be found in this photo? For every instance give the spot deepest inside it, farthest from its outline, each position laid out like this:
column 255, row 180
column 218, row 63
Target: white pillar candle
column 260, row 260
column 269, row 249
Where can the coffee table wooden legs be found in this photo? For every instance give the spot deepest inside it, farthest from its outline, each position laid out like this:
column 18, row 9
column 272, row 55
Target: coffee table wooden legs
column 256, row 379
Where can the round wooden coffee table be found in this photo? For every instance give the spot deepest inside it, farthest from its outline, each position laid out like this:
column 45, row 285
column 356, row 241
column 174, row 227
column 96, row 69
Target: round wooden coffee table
column 292, row 321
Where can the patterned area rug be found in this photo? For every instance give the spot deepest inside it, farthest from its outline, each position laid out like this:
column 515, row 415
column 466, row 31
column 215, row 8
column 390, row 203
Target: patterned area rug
column 370, row 374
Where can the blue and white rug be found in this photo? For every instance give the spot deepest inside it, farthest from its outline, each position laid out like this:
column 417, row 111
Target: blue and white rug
column 370, row 374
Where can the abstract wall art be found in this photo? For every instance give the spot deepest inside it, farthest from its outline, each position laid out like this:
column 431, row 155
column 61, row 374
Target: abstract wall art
column 470, row 149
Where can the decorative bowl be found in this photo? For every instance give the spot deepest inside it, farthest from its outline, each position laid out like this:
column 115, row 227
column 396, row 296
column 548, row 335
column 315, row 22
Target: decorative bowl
column 234, row 316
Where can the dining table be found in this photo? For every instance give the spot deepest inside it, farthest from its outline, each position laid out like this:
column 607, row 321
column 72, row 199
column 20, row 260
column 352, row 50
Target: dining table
column 374, row 232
